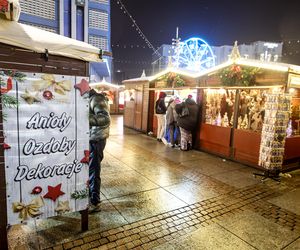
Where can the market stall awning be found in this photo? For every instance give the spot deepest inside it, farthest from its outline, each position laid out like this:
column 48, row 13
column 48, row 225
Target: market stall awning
column 35, row 39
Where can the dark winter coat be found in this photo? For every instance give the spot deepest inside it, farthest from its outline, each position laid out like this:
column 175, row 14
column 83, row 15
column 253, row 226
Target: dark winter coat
column 99, row 117
column 160, row 106
column 188, row 122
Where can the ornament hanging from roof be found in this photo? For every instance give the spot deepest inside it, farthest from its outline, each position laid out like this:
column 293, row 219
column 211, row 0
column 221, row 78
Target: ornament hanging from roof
column 194, row 54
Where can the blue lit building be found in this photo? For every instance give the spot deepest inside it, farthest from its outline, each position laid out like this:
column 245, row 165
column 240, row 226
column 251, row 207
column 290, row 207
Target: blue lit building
column 84, row 20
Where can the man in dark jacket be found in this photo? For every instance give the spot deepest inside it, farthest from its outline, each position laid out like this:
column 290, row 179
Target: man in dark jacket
column 160, row 111
column 99, row 119
column 187, row 121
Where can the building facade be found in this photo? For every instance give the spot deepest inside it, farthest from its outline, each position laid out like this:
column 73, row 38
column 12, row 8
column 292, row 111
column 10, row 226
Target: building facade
column 84, row 20
column 260, row 50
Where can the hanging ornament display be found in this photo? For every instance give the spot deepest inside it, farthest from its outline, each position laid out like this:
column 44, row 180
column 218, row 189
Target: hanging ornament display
column 54, row 192
column 244, row 124
column 219, row 120
column 289, row 130
column 225, row 120
column 36, row 190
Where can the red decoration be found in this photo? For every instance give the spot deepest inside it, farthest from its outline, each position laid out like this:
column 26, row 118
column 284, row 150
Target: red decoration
column 83, row 87
column 36, row 190
column 3, row 5
column 8, row 86
column 54, row 192
column 86, row 157
column 48, row 95
column 6, row 146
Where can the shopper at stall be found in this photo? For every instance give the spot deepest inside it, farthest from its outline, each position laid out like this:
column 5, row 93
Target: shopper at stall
column 99, row 119
column 160, row 111
column 187, row 121
column 172, row 126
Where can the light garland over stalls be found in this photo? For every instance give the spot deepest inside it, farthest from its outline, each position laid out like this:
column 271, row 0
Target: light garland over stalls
column 134, row 24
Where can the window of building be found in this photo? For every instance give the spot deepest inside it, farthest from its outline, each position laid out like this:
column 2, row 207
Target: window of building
column 98, row 19
column 100, row 1
column 99, row 42
column 41, row 27
column 39, row 8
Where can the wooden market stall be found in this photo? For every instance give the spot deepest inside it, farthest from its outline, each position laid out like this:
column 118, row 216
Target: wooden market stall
column 35, row 58
column 232, row 97
column 234, row 108
column 113, row 92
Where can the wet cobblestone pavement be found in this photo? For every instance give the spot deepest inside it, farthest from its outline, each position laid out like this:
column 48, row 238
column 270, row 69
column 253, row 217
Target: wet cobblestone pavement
column 155, row 197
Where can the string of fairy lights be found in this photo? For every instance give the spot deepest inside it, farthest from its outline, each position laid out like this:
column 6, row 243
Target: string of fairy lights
column 136, row 27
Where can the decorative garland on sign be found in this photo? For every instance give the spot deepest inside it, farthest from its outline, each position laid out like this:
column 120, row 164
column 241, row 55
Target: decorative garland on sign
column 238, row 76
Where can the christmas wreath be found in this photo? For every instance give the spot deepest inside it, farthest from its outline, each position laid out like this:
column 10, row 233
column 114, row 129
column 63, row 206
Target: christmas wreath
column 237, row 75
column 172, row 80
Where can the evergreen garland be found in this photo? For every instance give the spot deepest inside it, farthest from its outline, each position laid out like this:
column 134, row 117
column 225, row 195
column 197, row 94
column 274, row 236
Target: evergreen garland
column 7, row 100
column 238, row 76
column 80, row 194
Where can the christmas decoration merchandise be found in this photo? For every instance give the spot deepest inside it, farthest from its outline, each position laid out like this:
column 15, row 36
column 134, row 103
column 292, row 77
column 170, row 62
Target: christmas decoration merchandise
column 62, row 207
column 36, row 190
column 83, row 87
column 30, row 97
column 86, row 157
column 54, row 192
column 80, row 194
column 277, row 111
column 31, row 210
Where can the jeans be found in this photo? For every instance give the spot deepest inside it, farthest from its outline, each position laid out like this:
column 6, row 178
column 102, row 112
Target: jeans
column 161, row 125
column 174, row 137
column 96, row 156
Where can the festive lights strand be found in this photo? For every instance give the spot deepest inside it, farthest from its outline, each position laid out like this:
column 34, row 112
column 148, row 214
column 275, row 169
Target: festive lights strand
column 135, row 25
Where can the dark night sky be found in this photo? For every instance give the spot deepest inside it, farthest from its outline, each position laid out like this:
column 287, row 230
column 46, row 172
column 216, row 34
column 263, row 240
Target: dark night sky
column 218, row 22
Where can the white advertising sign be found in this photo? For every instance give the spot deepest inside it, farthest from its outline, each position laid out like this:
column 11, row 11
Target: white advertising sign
column 46, row 143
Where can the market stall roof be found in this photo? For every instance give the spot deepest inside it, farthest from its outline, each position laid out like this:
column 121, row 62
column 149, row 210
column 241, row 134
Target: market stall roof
column 35, row 39
column 282, row 67
column 106, row 84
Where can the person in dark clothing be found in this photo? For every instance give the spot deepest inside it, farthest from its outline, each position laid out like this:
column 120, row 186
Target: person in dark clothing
column 99, row 119
column 160, row 111
column 171, row 118
column 187, row 121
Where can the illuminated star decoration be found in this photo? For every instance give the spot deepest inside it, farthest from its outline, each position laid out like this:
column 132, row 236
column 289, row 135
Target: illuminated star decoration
column 62, row 207
column 83, row 87
column 30, row 98
column 54, row 192
column 86, row 157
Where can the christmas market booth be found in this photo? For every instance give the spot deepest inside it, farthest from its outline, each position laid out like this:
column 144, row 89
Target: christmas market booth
column 250, row 110
column 114, row 93
column 142, row 93
column 250, row 113
column 44, row 124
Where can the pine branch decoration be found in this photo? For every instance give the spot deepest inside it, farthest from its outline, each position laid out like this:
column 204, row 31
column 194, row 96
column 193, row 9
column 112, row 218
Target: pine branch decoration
column 80, row 194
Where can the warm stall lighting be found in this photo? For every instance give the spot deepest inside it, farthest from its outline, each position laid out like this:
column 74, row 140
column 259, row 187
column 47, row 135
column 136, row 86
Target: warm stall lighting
column 264, row 65
column 291, row 90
